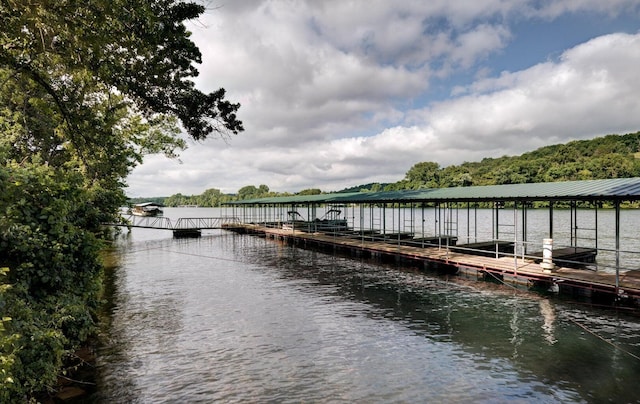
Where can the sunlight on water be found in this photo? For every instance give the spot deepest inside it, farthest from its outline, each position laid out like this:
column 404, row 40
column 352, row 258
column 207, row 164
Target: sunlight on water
column 235, row 318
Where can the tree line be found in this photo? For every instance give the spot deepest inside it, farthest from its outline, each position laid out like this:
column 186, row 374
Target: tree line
column 214, row 197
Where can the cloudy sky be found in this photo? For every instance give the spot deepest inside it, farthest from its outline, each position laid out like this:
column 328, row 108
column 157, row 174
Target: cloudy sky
column 338, row 93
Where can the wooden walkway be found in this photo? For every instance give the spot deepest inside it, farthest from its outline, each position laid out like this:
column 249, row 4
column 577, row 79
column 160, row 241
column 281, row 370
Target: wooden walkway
column 508, row 268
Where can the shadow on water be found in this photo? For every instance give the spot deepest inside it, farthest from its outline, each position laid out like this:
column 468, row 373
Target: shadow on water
column 129, row 314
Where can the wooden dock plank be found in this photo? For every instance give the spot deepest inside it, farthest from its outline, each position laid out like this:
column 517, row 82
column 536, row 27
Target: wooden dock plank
column 507, row 265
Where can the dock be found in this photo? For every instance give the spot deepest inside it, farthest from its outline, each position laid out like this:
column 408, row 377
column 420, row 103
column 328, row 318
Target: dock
column 478, row 230
column 570, row 256
column 445, row 229
column 510, row 269
column 487, row 248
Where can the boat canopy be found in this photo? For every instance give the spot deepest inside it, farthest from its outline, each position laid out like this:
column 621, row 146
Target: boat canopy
column 620, row 189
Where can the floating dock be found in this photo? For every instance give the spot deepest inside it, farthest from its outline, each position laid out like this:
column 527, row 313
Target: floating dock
column 395, row 225
column 480, row 264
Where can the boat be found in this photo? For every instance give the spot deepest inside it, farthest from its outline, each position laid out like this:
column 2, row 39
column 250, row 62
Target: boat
column 330, row 222
column 295, row 221
column 147, row 209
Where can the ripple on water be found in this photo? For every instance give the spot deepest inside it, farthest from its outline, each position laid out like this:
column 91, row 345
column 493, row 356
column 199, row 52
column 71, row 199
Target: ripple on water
column 236, row 319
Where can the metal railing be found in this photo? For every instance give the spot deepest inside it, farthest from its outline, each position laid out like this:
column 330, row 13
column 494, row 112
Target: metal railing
column 188, row 223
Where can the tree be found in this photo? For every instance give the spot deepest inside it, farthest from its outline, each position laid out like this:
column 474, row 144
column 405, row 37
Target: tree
column 250, row 192
column 86, row 90
column 140, row 48
column 423, row 175
column 210, row 197
column 310, row 191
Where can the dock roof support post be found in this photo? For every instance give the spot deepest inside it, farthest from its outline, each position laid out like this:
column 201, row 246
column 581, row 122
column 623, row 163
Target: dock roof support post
column 436, row 219
column 524, row 228
column 551, row 219
column 515, row 237
column 617, row 206
column 496, row 207
column 264, row 213
column 475, row 223
column 422, row 220
column 453, row 226
column 312, row 215
column 412, row 220
column 371, row 219
column 573, row 214
column 399, row 223
column 596, row 225
column 496, row 220
column 468, row 221
column 384, row 218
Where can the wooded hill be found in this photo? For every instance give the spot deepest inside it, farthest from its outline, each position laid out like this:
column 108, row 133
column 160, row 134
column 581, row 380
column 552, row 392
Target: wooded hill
column 612, row 156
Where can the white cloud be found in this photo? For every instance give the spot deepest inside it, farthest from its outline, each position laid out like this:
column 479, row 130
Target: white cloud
column 331, row 92
column 477, row 44
column 553, row 9
column 590, row 91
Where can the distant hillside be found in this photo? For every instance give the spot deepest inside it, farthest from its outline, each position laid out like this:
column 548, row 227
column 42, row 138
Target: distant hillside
column 612, row 156
column 374, row 186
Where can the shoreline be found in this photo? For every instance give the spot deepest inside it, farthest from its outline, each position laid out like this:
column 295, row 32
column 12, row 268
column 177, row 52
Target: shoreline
column 78, row 385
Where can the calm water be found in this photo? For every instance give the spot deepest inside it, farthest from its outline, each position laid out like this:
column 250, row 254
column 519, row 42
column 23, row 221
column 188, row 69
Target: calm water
column 232, row 318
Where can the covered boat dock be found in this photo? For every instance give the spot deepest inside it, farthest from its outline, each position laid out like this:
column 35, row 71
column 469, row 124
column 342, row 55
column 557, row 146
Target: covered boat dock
column 579, row 236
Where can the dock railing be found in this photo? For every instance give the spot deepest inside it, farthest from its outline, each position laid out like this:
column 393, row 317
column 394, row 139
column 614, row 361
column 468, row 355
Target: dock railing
column 165, row 223
column 522, row 252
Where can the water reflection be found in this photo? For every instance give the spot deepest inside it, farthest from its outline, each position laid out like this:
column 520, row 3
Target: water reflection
column 549, row 317
column 237, row 318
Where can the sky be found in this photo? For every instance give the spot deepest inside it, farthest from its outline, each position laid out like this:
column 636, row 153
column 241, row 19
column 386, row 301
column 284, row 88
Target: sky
column 338, row 93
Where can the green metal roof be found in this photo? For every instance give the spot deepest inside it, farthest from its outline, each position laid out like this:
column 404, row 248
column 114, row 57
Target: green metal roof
column 591, row 190
column 291, row 200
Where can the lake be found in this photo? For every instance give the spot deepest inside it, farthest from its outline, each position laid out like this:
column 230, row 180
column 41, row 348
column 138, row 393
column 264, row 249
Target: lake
column 237, row 318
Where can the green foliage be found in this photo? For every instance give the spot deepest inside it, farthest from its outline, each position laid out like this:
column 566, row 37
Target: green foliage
column 310, row 191
column 251, row 192
column 213, row 197
column 611, row 156
column 86, row 90
column 8, row 346
column 423, row 175
column 142, row 48
column 45, row 217
column 177, row 200
column 209, row 198
column 371, row 187
column 605, row 157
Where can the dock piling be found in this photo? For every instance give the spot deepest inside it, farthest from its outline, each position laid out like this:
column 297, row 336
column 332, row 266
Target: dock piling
column 547, row 255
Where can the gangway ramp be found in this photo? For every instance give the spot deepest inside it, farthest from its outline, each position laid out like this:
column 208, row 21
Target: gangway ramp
column 182, row 227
